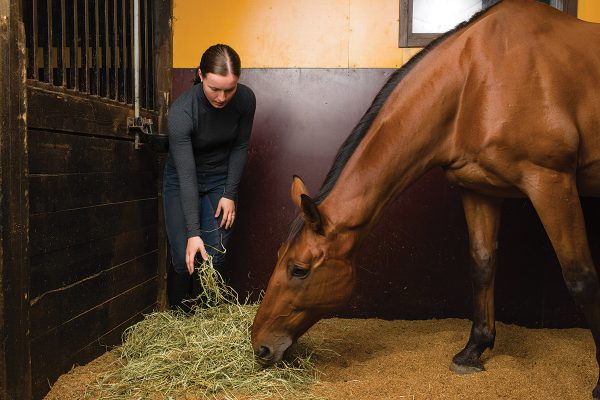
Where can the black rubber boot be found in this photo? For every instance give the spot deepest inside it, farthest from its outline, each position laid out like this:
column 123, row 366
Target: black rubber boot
column 180, row 287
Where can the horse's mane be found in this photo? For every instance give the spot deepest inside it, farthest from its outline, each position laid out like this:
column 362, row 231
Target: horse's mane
column 359, row 131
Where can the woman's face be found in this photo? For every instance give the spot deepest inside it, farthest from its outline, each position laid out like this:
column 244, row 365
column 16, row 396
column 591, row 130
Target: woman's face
column 219, row 90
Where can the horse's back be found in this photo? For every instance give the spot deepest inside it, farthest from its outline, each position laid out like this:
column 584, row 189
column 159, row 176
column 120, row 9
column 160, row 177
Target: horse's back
column 528, row 38
column 532, row 79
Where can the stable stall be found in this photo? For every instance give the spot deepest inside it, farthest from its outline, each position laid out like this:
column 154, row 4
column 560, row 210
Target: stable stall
column 82, row 253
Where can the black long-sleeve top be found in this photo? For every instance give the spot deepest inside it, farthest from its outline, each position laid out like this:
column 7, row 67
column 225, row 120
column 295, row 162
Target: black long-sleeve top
column 207, row 140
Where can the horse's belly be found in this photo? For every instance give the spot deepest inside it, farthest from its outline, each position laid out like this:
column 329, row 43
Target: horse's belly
column 475, row 178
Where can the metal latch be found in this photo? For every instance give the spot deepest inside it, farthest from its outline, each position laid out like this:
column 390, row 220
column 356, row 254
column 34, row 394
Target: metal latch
column 142, row 129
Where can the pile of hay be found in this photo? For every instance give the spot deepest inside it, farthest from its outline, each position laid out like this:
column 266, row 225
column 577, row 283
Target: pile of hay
column 207, row 354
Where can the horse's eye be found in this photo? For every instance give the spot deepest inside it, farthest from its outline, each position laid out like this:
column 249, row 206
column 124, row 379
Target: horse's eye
column 299, row 272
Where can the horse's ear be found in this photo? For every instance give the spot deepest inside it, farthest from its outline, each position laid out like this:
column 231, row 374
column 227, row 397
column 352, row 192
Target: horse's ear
column 298, row 189
column 311, row 214
column 306, row 205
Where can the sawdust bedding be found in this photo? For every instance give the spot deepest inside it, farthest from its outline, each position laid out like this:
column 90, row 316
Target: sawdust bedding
column 377, row 359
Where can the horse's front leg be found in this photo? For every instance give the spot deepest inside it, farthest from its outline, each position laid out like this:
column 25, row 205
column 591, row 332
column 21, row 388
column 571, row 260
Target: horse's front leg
column 483, row 219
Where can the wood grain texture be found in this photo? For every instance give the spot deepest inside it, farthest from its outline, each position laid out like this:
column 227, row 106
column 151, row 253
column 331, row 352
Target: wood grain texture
column 87, row 336
column 15, row 373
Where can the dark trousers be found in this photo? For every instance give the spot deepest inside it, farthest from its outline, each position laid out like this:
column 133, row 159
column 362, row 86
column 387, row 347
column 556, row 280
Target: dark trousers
column 210, row 188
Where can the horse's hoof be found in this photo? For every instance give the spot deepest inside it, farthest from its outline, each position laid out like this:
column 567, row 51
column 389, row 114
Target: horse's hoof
column 466, row 369
column 596, row 393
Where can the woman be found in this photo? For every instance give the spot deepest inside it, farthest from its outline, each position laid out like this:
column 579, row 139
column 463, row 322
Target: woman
column 209, row 131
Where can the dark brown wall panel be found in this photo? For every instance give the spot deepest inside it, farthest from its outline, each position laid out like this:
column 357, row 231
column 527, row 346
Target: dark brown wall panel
column 54, row 231
column 55, row 308
column 55, row 192
column 81, row 339
column 54, row 270
column 414, row 263
column 93, row 233
column 74, row 154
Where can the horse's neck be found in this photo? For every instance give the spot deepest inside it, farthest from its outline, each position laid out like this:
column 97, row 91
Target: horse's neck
column 409, row 136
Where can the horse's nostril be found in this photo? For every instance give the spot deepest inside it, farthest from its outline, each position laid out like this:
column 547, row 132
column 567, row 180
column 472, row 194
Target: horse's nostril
column 264, row 352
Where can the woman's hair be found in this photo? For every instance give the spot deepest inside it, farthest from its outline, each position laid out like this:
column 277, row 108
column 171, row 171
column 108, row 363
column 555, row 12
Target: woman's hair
column 219, row 59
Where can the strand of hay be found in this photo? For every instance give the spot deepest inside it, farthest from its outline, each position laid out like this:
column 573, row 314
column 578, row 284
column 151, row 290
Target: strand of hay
column 214, row 289
column 205, row 355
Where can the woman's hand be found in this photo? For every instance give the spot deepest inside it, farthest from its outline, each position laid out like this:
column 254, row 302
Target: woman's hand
column 194, row 244
column 227, row 206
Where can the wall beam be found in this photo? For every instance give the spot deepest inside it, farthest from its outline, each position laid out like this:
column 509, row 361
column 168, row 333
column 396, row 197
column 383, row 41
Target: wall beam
column 163, row 56
column 15, row 357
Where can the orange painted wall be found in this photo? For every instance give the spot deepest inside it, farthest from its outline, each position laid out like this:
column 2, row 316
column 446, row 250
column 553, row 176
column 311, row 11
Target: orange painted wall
column 288, row 33
column 300, row 34
column 589, row 10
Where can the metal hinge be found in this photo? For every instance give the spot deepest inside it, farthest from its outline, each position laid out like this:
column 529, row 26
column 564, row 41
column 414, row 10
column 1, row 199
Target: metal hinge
column 142, row 129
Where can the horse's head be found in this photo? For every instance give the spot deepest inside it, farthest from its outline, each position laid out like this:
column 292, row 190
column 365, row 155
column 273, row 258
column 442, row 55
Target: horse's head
column 313, row 277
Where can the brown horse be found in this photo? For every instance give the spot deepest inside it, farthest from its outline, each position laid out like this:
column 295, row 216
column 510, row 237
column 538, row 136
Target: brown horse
column 507, row 104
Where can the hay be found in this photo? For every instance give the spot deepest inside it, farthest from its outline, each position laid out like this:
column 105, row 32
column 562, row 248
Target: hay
column 207, row 354
column 214, row 289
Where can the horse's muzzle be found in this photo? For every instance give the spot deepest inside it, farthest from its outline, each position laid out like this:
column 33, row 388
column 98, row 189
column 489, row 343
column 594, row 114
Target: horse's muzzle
column 264, row 355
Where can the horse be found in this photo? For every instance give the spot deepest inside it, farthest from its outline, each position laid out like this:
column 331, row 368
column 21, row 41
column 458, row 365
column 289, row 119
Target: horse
column 507, row 105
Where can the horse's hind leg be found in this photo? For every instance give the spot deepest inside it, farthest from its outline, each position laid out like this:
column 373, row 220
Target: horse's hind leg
column 483, row 218
column 556, row 201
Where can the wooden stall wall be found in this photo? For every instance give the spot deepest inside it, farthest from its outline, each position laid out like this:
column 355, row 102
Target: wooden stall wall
column 315, row 67
column 82, row 249
column 14, row 207
column 93, row 230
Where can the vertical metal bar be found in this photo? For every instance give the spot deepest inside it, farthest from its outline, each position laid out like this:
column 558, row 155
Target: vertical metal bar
column 74, row 61
column 106, row 54
column 124, row 54
column 136, row 58
column 57, row 31
column 48, row 48
column 30, row 22
column 29, row 31
column 140, row 52
column 34, row 41
column 85, row 50
column 96, row 51
column 141, row 49
column 151, row 57
column 62, row 65
column 131, row 53
column 146, row 55
column 115, row 64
